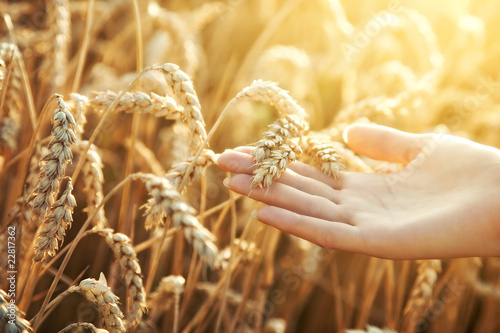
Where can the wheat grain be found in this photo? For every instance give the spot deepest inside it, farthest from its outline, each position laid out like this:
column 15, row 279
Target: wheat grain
column 166, row 202
column 276, row 150
column 161, row 299
column 324, row 155
column 174, row 147
column 248, row 251
column 178, row 171
column 131, row 269
column 421, row 293
column 87, row 326
column 275, row 325
column 371, row 329
column 54, row 163
column 137, row 101
column 269, row 93
column 182, row 88
column 11, row 318
column 80, row 105
column 58, row 220
column 93, row 180
column 101, row 295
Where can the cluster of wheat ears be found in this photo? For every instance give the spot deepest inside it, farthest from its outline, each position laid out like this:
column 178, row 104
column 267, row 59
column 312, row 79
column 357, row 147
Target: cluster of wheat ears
column 113, row 215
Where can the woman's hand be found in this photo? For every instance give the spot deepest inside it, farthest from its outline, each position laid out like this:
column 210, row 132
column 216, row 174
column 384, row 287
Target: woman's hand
column 445, row 203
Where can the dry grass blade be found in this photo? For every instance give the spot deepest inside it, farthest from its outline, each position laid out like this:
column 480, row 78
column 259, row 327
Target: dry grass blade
column 11, row 318
column 101, row 295
column 166, row 202
column 131, row 269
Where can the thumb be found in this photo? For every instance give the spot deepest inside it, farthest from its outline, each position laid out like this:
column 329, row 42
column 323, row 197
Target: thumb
column 384, row 143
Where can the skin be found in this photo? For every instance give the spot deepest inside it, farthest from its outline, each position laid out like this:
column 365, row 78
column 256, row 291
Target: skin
column 444, row 204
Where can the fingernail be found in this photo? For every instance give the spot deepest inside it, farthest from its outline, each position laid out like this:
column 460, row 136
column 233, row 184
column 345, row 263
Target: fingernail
column 254, row 214
column 226, row 182
column 215, row 158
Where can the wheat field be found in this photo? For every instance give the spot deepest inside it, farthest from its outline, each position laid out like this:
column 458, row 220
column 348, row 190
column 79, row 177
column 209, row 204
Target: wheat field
column 114, row 217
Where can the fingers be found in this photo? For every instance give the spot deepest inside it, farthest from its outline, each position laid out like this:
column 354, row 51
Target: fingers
column 287, row 197
column 239, row 161
column 383, row 143
column 333, row 235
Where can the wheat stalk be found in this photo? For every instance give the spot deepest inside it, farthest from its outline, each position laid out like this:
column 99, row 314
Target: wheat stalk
column 54, row 162
column 11, row 318
column 58, row 220
column 101, row 295
column 131, row 269
column 93, row 180
column 166, row 202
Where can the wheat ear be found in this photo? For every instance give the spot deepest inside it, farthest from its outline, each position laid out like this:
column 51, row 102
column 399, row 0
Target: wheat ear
column 10, row 113
column 178, row 171
column 54, row 67
column 166, row 202
column 101, row 295
column 325, row 155
column 182, row 88
column 93, row 180
column 137, row 101
column 11, row 318
column 54, row 162
column 161, row 300
column 421, row 293
column 56, row 223
column 127, row 258
column 277, row 149
column 188, row 47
